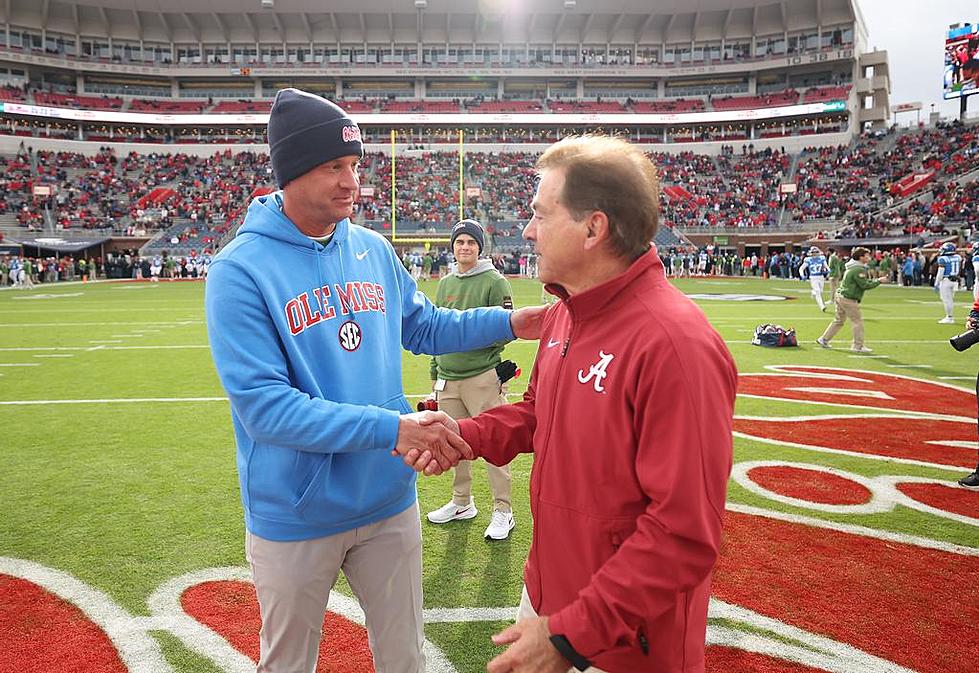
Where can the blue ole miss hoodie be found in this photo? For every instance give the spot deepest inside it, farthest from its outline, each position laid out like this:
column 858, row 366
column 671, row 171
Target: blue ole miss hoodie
column 307, row 343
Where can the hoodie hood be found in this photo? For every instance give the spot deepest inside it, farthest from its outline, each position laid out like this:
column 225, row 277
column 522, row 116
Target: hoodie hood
column 265, row 218
column 482, row 266
column 852, row 263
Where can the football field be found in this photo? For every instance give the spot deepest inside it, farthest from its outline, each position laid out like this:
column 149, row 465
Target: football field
column 848, row 546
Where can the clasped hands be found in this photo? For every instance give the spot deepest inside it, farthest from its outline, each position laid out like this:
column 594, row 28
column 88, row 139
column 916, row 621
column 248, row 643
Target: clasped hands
column 429, row 442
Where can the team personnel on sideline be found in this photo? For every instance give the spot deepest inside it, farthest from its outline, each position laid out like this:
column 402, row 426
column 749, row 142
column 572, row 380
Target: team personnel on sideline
column 814, row 268
column 628, row 414
column 947, row 279
column 848, row 298
column 974, row 258
column 836, row 269
column 466, row 384
column 307, row 315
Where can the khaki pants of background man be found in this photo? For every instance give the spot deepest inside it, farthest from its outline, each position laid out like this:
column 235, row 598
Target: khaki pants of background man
column 463, row 399
column 846, row 308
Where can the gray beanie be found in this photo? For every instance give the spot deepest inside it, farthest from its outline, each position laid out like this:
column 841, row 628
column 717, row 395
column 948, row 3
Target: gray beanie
column 306, row 131
column 471, row 227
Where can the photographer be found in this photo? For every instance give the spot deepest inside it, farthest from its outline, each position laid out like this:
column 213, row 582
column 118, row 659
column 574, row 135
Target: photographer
column 972, row 480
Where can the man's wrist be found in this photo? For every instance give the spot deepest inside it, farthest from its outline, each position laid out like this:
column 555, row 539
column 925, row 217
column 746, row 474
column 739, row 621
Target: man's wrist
column 567, row 650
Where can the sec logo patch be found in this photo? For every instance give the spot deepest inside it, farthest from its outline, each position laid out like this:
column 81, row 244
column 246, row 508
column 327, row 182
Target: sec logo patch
column 350, row 336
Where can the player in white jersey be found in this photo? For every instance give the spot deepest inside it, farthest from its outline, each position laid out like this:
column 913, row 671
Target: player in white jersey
column 815, row 268
column 155, row 267
column 947, row 279
column 702, row 259
column 974, row 255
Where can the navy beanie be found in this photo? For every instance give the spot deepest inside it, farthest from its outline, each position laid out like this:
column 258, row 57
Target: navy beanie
column 471, row 227
column 306, row 131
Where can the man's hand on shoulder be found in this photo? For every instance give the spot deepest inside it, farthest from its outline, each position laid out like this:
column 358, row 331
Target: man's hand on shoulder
column 526, row 322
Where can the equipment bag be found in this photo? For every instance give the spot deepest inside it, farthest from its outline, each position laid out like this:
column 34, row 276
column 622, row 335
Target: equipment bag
column 772, row 336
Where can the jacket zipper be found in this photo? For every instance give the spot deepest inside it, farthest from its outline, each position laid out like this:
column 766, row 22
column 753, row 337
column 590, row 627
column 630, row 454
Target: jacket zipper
column 547, row 436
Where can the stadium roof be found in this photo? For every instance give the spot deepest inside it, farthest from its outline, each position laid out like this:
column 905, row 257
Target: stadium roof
column 453, row 21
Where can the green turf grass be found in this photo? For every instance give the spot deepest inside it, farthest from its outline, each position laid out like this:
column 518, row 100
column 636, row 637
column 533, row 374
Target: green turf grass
column 126, row 495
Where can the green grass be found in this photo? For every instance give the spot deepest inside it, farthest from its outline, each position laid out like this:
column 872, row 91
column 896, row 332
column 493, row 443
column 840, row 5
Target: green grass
column 125, row 496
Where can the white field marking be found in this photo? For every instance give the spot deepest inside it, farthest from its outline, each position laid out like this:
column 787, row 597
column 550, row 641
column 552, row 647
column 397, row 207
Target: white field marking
column 138, row 649
column 894, row 412
column 786, row 370
column 105, row 341
column 843, row 452
column 900, row 498
column 48, row 296
column 957, row 378
column 169, row 614
column 878, row 502
column 845, row 392
column 884, row 497
column 869, row 357
column 954, row 443
column 151, row 400
column 853, row 529
column 20, row 364
column 910, row 366
column 108, row 348
column 452, row 615
column 93, row 348
column 826, row 654
column 54, row 355
column 99, row 324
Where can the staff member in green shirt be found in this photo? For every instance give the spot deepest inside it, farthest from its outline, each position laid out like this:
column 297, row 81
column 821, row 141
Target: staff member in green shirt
column 467, row 384
column 835, row 273
column 848, row 297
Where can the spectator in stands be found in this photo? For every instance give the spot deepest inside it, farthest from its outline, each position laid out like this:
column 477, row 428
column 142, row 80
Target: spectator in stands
column 309, row 398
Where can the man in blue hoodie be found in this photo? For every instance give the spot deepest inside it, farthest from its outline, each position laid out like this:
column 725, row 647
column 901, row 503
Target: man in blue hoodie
column 309, row 351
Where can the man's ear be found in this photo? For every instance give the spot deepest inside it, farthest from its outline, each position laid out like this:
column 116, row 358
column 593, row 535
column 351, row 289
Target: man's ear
column 596, row 229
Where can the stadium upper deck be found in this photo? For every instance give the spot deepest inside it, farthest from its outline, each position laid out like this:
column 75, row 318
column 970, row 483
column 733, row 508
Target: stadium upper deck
column 724, row 62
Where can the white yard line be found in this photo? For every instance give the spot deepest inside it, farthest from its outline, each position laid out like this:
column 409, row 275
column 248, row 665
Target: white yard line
column 54, row 355
column 20, row 364
column 117, row 400
column 104, row 347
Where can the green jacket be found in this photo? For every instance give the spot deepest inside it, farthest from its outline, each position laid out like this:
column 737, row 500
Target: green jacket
column 835, row 267
column 855, row 281
column 481, row 286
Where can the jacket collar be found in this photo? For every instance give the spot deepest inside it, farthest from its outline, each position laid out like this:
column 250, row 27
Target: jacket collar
column 595, row 300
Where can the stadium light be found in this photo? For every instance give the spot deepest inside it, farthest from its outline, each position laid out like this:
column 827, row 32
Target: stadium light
column 570, row 4
column 268, row 4
column 421, row 4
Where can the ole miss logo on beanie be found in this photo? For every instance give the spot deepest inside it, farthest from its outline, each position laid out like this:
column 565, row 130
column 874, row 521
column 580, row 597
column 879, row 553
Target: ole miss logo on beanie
column 350, row 134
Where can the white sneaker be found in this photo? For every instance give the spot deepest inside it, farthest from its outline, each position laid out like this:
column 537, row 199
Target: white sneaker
column 822, row 342
column 453, row 512
column 500, row 526
column 862, row 349
column 947, row 320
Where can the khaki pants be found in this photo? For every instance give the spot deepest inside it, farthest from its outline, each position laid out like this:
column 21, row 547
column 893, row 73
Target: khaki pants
column 834, row 285
column 463, row 399
column 526, row 611
column 382, row 563
column 846, row 308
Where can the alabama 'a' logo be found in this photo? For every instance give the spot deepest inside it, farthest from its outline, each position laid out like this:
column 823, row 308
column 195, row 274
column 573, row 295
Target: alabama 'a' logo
column 350, row 335
column 597, row 372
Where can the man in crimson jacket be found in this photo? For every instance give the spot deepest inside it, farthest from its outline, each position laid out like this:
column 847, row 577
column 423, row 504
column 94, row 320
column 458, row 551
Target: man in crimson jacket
column 628, row 414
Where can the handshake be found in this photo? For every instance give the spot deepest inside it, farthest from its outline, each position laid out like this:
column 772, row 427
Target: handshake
column 429, row 442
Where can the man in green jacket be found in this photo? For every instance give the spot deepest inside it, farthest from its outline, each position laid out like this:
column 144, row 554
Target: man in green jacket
column 467, row 384
column 835, row 273
column 856, row 281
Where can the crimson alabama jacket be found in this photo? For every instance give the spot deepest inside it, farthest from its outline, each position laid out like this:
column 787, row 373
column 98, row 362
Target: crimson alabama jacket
column 629, row 414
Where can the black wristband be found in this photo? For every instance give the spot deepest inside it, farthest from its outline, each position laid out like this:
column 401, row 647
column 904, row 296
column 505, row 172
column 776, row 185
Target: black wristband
column 567, row 651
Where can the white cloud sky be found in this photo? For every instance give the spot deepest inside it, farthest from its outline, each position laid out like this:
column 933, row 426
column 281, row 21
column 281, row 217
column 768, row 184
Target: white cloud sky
column 913, row 34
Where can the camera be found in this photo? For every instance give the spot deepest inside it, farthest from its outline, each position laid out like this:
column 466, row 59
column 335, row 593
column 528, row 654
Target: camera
column 965, row 340
column 428, row 404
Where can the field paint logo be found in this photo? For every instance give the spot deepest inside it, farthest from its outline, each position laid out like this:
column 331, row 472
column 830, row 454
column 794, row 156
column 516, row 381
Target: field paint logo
column 350, row 336
column 140, row 653
column 597, row 371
